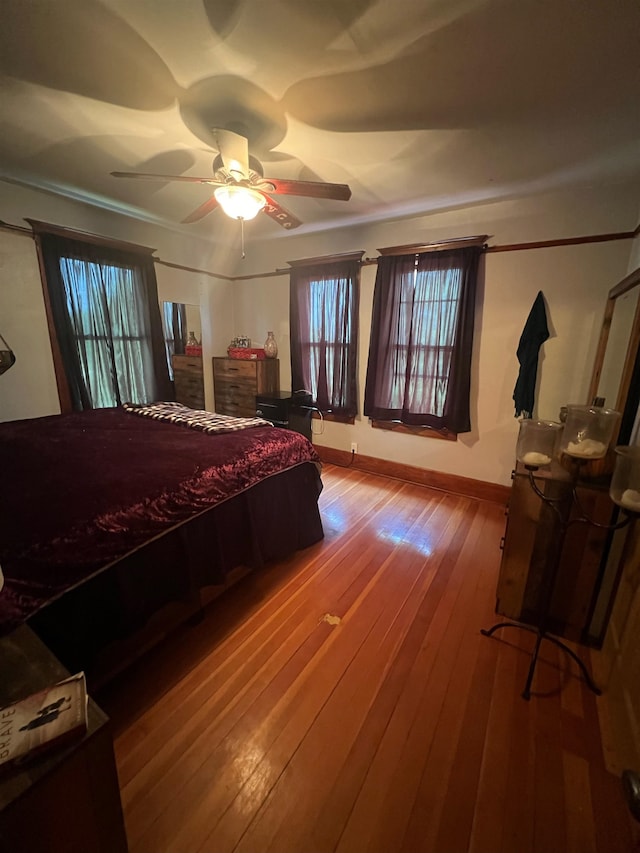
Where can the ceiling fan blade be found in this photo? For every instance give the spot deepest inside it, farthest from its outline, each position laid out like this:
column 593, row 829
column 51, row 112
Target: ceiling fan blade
column 279, row 214
column 234, row 150
column 145, row 176
column 200, row 212
column 311, row 189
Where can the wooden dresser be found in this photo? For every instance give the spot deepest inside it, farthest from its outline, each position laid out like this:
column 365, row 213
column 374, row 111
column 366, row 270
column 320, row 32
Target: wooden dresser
column 188, row 380
column 531, row 536
column 236, row 383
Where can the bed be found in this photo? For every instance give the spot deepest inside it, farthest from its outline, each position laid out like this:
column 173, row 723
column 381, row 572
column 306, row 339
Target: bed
column 113, row 519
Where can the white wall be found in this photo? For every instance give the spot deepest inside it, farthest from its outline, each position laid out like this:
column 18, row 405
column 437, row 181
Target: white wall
column 29, row 387
column 574, row 279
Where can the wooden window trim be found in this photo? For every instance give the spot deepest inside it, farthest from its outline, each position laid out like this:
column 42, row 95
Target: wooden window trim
column 423, row 431
column 86, row 237
column 440, row 246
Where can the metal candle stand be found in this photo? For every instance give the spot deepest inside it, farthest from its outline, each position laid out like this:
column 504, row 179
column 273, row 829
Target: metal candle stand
column 585, row 436
column 562, row 509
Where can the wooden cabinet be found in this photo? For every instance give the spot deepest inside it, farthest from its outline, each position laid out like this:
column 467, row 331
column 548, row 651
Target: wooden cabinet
column 236, row 382
column 66, row 800
column 188, row 380
column 531, row 542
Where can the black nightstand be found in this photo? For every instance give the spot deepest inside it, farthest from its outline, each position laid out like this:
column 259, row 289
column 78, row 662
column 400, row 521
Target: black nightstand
column 66, row 800
column 287, row 410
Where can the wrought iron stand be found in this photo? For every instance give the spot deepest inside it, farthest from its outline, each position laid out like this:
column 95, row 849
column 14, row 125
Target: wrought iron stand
column 562, row 508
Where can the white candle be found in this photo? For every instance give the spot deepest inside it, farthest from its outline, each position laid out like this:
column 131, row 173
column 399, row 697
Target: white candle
column 588, row 447
column 630, row 499
column 535, row 458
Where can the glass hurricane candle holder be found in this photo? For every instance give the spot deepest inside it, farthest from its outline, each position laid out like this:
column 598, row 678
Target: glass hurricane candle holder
column 537, row 442
column 625, row 482
column 588, row 431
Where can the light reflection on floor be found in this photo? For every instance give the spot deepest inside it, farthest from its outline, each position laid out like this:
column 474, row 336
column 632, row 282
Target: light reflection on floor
column 411, row 535
column 334, row 520
column 414, row 537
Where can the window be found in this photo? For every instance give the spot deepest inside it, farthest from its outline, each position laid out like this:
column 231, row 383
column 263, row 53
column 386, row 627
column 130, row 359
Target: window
column 419, row 365
column 324, row 301
column 107, row 324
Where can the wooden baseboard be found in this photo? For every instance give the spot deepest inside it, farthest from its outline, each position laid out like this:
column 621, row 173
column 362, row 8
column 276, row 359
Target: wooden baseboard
column 493, row 492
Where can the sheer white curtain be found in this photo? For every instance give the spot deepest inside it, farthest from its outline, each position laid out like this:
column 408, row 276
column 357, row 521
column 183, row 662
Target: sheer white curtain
column 109, row 318
column 419, row 368
column 324, row 302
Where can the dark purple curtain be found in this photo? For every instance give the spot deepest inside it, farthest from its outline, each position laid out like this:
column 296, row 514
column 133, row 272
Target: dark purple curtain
column 419, row 369
column 324, row 302
column 107, row 318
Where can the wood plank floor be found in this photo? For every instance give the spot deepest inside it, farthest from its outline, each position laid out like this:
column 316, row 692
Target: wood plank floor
column 344, row 699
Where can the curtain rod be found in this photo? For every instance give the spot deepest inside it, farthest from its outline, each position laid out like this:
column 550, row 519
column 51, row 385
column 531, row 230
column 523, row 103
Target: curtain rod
column 193, row 269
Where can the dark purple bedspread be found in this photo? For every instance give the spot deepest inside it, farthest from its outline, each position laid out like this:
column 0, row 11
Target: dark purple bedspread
column 81, row 491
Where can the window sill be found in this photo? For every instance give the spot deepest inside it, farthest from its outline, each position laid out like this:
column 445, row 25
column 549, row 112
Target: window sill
column 330, row 416
column 425, row 432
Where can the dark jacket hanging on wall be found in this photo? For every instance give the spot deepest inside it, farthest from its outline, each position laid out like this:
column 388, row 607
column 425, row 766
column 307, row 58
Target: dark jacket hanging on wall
column 534, row 334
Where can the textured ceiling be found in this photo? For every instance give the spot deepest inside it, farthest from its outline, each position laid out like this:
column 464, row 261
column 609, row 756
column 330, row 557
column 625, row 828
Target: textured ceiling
column 418, row 105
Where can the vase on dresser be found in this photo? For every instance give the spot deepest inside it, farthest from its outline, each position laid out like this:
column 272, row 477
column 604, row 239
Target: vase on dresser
column 270, row 346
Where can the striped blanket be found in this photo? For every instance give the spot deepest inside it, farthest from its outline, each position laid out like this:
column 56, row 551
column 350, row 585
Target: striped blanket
column 208, row 422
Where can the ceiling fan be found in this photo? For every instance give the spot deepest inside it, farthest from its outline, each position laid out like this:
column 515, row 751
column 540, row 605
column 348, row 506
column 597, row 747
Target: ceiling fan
column 241, row 189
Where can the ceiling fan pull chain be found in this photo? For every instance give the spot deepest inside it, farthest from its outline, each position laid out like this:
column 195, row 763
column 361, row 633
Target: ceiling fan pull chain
column 242, row 235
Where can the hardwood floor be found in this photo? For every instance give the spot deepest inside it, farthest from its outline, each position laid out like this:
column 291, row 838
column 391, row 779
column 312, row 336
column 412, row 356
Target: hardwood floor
column 345, row 700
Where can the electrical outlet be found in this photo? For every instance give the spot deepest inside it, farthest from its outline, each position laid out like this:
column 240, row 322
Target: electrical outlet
column 354, row 447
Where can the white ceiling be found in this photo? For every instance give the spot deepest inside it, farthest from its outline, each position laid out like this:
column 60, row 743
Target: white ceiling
column 418, row 105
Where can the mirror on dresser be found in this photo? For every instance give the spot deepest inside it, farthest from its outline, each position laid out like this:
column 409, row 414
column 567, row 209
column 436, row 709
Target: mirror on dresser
column 616, row 378
column 179, row 321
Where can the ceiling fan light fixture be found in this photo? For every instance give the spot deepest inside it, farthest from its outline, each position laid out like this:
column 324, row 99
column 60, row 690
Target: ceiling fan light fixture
column 240, row 202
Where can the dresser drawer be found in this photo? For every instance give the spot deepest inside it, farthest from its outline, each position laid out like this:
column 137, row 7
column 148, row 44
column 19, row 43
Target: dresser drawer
column 236, row 408
column 188, row 380
column 235, row 402
column 235, row 396
column 235, row 369
column 188, row 364
column 189, row 391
